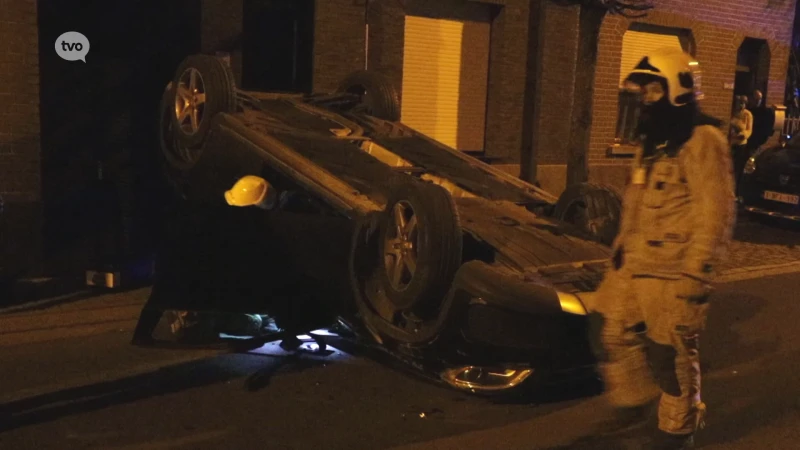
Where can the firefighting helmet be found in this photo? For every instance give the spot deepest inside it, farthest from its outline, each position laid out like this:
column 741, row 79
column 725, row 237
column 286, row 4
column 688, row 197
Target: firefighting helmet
column 676, row 68
column 248, row 191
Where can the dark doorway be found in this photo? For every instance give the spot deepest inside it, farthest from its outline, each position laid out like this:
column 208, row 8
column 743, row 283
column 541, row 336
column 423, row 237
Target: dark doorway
column 277, row 45
column 99, row 119
column 752, row 67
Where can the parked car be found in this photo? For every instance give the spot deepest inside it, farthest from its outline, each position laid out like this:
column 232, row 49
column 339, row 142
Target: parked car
column 454, row 267
column 770, row 184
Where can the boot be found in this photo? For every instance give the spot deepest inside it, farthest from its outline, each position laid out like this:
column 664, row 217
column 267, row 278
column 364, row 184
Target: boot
column 668, row 441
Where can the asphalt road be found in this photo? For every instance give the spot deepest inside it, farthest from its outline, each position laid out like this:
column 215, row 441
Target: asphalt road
column 80, row 385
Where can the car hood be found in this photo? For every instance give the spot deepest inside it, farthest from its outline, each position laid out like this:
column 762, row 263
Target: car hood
column 779, row 160
column 523, row 240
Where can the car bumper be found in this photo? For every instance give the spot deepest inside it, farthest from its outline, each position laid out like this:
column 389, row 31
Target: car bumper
column 755, row 210
column 751, row 198
column 507, row 324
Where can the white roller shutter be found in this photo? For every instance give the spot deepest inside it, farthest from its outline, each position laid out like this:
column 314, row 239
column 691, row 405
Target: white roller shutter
column 444, row 93
column 637, row 44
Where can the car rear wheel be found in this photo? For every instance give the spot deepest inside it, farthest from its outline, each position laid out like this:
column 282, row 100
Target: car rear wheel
column 203, row 87
column 595, row 209
column 420, row 245
column 377, row 94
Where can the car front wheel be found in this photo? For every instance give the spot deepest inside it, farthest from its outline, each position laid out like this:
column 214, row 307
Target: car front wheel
column 593, row 208
column 203, row 87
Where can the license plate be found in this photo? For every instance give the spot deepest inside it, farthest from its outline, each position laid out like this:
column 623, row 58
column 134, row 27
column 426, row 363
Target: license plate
column 783, row 198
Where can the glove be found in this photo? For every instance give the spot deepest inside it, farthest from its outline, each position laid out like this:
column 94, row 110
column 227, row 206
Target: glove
column 692, row 289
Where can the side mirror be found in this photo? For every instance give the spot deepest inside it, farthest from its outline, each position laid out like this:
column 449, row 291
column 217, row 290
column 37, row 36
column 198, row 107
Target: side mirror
column 251, row 190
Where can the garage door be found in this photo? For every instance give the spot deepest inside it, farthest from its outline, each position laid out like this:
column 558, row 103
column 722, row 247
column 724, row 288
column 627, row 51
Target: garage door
column 445, row 80
column 637, row 44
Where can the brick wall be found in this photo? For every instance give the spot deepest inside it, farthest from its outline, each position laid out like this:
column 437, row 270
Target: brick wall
column 339, row 38
column 339, row 49
column 507, row 68
column 221, row 24
column 507, row 81
column 556, row 82
column 20, row 160
column 719, row 27
column 386, row 30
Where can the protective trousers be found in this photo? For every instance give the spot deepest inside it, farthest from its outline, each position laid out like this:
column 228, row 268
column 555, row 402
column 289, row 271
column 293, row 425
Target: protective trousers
column 636, row 318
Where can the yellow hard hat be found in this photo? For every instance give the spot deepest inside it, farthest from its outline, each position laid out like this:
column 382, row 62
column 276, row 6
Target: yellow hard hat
column 248, row 191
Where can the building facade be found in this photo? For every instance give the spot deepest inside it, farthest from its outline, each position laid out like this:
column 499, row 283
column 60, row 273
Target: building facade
column 741, row 45
column 20, row 162
column 460, row 65
column 529, row 72
column 494, row 78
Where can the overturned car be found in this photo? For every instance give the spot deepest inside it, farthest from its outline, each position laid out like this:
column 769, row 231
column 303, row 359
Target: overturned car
column 324, row 207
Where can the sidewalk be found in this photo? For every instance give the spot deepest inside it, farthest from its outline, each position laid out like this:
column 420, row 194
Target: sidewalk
column 71, row 316
column 757, row 244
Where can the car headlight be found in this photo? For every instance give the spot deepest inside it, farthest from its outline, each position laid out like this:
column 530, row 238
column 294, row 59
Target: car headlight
column 571, row 303
column 485, row 379
column 750, row 165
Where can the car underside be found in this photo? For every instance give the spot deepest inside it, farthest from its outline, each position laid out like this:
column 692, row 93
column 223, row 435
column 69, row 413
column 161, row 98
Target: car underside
column 452, row 266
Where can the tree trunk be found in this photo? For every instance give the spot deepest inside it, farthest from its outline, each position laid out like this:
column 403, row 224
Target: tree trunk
column 591, row 18
column 531, row 108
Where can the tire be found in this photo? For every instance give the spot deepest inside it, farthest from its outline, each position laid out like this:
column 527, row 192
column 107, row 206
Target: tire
column 213, row 79
column 378, row 94
column 436, row 245
column 595, row 209
column 175, row 159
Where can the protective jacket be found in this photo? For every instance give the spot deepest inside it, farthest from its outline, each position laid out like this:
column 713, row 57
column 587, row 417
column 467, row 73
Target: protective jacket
column 679, row 209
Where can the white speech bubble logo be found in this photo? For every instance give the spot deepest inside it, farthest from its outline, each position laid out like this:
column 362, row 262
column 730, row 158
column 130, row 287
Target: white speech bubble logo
column 72, row 46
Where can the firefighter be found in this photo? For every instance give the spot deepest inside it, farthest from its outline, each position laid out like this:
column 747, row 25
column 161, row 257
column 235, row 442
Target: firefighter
column 678, row 217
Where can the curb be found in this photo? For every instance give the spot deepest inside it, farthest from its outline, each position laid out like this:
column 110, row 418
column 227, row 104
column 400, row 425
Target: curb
column 21, row 291
column 34, row 291
column 751, row 272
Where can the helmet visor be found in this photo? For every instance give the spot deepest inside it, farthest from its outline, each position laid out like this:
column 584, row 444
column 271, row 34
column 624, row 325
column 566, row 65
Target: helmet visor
column 648, row 90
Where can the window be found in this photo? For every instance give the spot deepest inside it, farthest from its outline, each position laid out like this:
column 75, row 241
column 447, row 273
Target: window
column 445, row 79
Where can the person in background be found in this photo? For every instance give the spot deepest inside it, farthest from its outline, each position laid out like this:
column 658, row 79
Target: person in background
column 677, row 220
column 763, row 122
column 741, row 128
